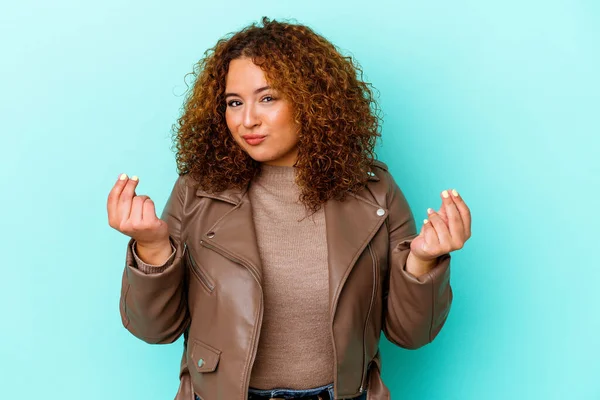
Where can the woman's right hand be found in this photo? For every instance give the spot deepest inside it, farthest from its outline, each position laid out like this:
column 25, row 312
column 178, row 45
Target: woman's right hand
column 135, row 216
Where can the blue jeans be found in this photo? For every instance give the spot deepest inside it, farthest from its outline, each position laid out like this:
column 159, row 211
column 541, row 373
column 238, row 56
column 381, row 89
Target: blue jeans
column 293, row 393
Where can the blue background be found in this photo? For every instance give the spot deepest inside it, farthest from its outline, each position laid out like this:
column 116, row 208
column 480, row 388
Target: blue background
column 498, row 99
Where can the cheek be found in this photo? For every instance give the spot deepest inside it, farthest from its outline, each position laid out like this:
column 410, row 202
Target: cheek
column 232, row 127
column 280, row 117
column 284, row 121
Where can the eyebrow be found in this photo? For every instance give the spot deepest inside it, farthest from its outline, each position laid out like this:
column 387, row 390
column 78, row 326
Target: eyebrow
column 255, row 92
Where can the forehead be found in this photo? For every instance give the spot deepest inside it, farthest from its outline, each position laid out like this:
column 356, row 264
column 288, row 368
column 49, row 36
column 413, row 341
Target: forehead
column 243, row 74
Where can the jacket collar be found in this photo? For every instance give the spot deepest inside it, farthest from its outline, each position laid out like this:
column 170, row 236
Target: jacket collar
column 350, row 226
column 234, row 196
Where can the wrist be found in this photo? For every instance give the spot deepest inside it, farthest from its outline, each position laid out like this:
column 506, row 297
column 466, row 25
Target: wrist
column 417, row 266
column 154, row 253
column 153, row 246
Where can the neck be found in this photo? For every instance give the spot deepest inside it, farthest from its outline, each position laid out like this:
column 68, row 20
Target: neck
column 278, row 180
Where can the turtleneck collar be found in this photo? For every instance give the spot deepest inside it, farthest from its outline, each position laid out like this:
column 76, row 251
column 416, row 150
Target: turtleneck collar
column 279, row 181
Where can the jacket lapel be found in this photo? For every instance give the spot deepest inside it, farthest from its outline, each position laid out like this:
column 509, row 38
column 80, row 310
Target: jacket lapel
column 234, row 232
column 350, row 225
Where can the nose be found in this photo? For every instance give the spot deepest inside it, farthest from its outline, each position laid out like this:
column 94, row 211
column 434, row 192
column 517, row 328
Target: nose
column 251, row 117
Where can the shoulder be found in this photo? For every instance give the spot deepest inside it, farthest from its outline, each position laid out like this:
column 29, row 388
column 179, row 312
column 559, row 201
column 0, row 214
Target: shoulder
column 380, row 164
column 376, row 170
column 386, row 192
column 185, row 181
column 183, row 185
column 382, row 184
column 379, row 172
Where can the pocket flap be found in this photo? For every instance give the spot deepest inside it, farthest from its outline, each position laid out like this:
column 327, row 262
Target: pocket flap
column 205, row 357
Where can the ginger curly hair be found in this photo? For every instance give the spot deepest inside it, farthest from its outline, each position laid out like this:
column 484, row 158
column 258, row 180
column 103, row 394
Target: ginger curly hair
column 336, row 110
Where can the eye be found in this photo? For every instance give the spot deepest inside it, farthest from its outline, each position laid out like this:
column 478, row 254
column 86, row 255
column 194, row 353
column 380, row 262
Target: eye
column 230, row 104
column 269, row 97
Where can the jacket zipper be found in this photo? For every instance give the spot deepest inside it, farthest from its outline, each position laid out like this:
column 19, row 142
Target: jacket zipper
column 198, row 272
column 375, row 277
column 256, row 333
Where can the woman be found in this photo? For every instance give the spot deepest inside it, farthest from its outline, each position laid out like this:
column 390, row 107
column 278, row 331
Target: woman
column 284, row 248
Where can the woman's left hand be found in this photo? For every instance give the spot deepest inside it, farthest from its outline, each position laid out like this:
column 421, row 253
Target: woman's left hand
column 445, row 231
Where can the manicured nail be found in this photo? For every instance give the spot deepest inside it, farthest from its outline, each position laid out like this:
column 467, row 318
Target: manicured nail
column 123, row 177
column 134, row 178
column 429, row 211
column 425, row 221
column 445, row 194
column 454, row 192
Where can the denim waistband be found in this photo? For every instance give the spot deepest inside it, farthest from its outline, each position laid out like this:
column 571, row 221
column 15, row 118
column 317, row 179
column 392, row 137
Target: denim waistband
column 292, row 393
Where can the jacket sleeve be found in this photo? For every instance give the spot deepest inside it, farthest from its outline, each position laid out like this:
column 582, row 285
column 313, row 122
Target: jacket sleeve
column 415, row 308
column 153, row 306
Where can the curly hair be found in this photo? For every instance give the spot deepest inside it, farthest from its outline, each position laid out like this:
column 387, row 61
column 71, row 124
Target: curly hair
column 335, row 108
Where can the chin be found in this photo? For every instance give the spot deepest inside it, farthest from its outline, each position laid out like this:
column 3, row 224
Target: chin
column 263, row 154
column 262, row 158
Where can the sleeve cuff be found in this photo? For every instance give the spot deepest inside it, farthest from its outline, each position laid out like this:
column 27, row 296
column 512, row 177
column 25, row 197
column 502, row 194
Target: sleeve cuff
column 436, row 274
column 433, row 275
column 149, row 268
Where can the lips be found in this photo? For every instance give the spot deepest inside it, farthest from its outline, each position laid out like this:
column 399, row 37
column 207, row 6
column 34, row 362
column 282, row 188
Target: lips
column 253, row 139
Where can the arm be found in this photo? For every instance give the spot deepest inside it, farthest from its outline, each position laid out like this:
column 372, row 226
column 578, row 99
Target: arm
column 415, row 307
column 152, row 305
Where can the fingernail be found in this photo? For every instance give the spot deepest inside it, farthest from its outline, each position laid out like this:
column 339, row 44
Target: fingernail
column 429, row 211
column 425, row 221
column 123, row 177
column 445, row 194
column 134, row 178
column 454, row 192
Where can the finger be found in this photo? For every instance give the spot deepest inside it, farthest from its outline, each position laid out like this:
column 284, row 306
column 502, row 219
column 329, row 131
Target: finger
column 137, row 208
column 441, row 212
column 454, row 223
column 126, row 198
column 149, row 211
column 443, row 234
column 430, row 237
column 465, row 213
column 113, row 197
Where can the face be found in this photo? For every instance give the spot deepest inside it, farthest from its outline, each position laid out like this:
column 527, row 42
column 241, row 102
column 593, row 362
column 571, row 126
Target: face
column 258, row 117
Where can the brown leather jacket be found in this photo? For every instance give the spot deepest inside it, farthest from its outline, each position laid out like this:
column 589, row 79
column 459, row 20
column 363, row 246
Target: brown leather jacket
column 212, row 291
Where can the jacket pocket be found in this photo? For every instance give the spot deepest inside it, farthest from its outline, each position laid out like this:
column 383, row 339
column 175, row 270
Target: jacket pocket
column 199, row 272
column 205, row 357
